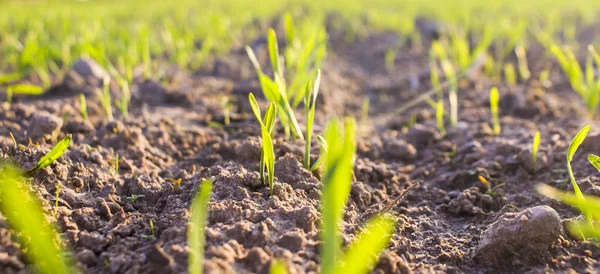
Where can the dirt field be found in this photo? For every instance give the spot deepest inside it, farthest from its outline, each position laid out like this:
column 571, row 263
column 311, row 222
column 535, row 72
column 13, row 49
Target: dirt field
column 105, row 214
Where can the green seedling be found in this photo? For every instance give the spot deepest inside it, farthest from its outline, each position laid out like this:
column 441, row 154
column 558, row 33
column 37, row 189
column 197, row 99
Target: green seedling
column 123, row 104
column 362, row 254
column 278, row 267
column 523, row 65
column 390, row 58
column 509, row 74
column 267, row 158
column 24, row 89
column 175, row 183
column 587, row 85
column 274, row 90
column 152, row 229
column 83, row 107
column 55, row 213
column 10, row 77
column 435, row 83
column 534, row 149
column 196, row 238
column 575, row 143
column 57, row 151
column 494, row 99
column 114, row 170
column 451, row 77
column 104, row 97
column 134, row 197
column 226, row 106
column 337, row 178
column 594, row 160
column 310, row 102
column 24, row 214
column 321, row 158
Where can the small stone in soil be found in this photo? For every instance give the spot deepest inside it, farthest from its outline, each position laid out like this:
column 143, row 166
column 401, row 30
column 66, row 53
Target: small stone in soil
column 44, row 126
column 526, row 235
column 399, row 149
column 420, row 136
column 88, row 68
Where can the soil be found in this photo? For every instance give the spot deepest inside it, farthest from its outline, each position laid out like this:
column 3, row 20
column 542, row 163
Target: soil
column 105, row 215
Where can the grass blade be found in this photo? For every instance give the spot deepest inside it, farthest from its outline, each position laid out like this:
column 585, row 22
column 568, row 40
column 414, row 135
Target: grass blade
column 494, row 98
column 595, row 160
column 57, row 151
column 337, row 178
column 362, row 255
column 25, row 215
column 576, row 142
column 534, row 149
column 196, row 228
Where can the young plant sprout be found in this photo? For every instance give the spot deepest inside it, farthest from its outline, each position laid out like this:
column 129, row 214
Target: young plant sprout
column 575, row 143
column 278, row 267
column 57, row 151
column 319, row 161
column 123, row 104
column 450, row 74
column 83, row 107
column 226, row 106
column 494, row 98
column 24, row 89
column 586, row 84
column 115, row 166
column 275, row 90
column 435, row 83
column 523, row 64
column 310, row 102
column 361, row 256
column 55, row 213
column 267, row 158
column 24, row 214
column 509, row 74
column 104, row 97
column 152, row 229
column 196, row 228
column 534, row 149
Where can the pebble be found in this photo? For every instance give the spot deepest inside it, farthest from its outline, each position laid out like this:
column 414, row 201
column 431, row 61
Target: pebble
column 88, row 68
column 421, row 136
column 525, row 235
column 44, row 126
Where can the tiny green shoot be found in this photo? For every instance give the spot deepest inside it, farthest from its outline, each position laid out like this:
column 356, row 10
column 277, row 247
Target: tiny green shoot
column 268, row 152
column 25, row 89
column 123, row 104
column 575, row 143
column 104, row 97
column 83, row 107
column 278, row 267
column 509, row 74
column 196, row 238
column 310, row 101
column 494, row 99
column 134, row 197
column 55, row 213
column 57, row 151
column 152, row 228
column 534, row 150
column 321, row 158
